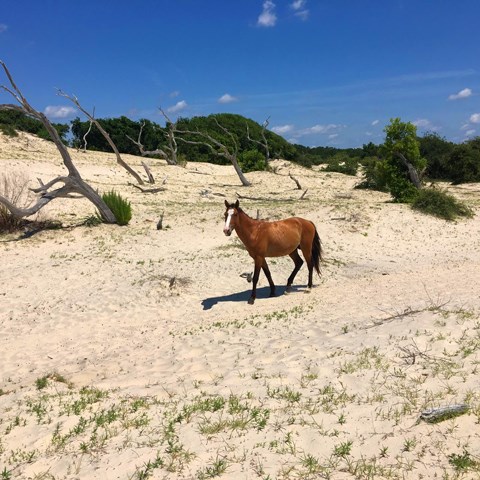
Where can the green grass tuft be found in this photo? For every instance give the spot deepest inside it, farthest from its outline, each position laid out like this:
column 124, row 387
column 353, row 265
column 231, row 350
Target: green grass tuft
column 121, row 208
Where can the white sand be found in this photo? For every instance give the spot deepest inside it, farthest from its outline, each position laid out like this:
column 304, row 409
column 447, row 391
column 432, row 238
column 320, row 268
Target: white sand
column 331, row 383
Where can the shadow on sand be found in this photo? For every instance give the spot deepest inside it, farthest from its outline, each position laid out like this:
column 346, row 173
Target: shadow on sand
column 262, row 293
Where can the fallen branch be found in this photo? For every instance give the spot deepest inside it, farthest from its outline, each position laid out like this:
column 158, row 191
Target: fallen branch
column 148, row 190
column 435, row 415
column 299, row 187
column 151, row 179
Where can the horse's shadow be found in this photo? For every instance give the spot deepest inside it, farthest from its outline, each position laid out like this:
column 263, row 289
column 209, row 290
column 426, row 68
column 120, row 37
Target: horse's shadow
column 263, row 292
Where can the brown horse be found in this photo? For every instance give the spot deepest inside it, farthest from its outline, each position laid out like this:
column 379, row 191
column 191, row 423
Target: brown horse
column 275, row 239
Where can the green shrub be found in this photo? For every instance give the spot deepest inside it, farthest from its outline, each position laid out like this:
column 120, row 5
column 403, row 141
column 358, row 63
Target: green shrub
column 252, row 160
column 342, row 164
column 8, row 130
column 433, row 201
column 121, row 208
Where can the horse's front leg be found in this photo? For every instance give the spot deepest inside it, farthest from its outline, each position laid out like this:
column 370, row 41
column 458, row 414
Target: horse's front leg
column 256, row 274
column 267, row 273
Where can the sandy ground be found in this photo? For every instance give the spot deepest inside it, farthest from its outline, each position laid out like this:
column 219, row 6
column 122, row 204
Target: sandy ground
column 131, row 352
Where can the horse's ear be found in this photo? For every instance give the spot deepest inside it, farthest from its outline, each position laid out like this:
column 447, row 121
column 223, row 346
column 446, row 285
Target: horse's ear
column 237, row 204
column 226, row 204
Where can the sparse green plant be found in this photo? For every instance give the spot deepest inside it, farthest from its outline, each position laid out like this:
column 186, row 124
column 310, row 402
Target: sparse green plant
column 463, row 462
column 92, row 220
column 218, row 467
column 343, row 450
column 409, row 444
column 41, row 382
column 6, row 474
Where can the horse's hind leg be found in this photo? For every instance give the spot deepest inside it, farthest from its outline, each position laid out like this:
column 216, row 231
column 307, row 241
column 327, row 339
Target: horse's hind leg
column 307, row 253
column 298, row 264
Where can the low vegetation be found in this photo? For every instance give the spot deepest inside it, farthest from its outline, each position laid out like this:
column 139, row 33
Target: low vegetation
column 121, row 208
column 437, row 202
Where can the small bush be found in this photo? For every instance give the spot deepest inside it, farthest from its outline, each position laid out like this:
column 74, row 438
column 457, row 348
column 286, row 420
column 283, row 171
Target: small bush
column 342, row 164
column 252, row 160
column 8, row 130
column 439, row 203
column 121, row 208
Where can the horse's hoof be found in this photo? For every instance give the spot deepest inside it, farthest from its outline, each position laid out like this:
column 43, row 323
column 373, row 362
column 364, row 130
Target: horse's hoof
column 288, row 290
column 272, row 294
column 251, row 301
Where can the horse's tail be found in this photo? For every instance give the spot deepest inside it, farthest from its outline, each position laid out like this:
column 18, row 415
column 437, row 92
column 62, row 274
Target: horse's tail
column 317, row 251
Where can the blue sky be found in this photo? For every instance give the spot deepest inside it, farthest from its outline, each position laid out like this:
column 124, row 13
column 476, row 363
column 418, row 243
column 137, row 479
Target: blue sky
column 326, row 72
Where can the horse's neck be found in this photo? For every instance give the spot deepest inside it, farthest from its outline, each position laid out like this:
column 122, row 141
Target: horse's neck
column 246, row 228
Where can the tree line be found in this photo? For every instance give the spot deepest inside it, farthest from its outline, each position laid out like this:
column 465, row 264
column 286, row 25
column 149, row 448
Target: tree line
column 445, row 160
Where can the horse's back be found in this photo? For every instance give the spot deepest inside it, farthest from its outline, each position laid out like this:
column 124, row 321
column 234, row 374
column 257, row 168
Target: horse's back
column 282, row 237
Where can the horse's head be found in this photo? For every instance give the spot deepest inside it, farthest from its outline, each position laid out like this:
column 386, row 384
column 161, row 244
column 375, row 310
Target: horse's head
column 231, row 217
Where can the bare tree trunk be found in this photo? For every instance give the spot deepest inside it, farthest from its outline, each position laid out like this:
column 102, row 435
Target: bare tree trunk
column 87, row 132
column 172, row 143
column 172, row 148
column 412, row 171
column 219, row 149
column 120, row 161
column 263, row 144
column 73, row 183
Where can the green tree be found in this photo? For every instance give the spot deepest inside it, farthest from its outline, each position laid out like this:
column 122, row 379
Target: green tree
column 437, row 151
column 403, row 163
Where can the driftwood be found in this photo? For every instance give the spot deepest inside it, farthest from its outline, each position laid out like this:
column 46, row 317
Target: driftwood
column 299, row 187
column 120, row 160
column 72, row 183
column 151, row 178
column 435, row 415
column 148, row 190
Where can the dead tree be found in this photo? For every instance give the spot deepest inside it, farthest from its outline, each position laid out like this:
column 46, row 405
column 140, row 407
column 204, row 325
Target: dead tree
column 218, row 148
column 87, row 132
column 264, row 143
column 170, row 152
column 120, row 161
column 72, row 183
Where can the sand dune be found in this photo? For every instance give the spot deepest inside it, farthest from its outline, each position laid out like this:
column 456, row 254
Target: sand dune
column 129, row 352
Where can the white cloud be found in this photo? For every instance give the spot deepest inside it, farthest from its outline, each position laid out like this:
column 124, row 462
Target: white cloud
column 332, row 136
column 422, row 123
column 3, row 27
column 267, row 18
column 58, row 111
column 321, row 129
column 300, row 10
column 227, row 98
column 178, row 107
column 475, row 118
column 375, row 122
column 174, row 94
column 470, row 133
column 465, row 93
column 282, row 129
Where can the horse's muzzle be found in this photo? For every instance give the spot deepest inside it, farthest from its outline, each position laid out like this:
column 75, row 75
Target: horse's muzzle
column 227, row 231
